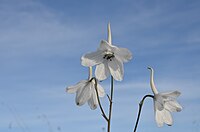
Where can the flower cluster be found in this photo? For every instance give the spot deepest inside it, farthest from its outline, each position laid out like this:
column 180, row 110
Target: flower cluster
column 109, row 60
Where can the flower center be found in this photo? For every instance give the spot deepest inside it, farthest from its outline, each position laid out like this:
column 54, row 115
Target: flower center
column 109, row 56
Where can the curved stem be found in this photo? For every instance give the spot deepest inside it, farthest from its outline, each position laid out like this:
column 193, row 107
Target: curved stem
column 99, row 102
column 110, row 100
column 140, row 109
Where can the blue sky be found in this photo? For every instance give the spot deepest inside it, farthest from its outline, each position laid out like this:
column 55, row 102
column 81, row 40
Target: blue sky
column 41, row 42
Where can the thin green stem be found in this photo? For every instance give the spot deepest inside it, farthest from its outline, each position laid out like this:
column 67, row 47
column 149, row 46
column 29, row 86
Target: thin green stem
column 140, row 109
column 99, row 102
column 111, row 102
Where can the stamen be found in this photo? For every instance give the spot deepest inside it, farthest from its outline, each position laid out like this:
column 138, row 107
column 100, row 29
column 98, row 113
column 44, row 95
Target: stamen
column 109, row 56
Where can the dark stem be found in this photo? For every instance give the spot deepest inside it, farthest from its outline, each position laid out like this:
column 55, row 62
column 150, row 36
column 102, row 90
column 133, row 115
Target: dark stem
column 110, row 100
column 140, row 109
column 100, row 106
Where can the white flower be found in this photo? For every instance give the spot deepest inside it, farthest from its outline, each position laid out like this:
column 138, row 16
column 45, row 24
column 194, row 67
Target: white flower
column 164, row 103
column 109, row 60
column 85, row 92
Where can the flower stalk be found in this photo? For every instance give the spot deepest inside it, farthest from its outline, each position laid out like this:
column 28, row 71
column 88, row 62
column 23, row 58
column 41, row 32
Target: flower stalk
column 140, row 109
column 110, row 98
column 99, row 102
column 111, row 102
column 90, row 73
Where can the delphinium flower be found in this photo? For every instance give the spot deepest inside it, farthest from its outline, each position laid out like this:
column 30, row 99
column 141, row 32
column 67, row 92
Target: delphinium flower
column 164, row 103
column 85, row 91
column 108, row 59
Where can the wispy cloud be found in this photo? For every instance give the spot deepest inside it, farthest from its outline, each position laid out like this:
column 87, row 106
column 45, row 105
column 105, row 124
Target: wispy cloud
column 37, row 30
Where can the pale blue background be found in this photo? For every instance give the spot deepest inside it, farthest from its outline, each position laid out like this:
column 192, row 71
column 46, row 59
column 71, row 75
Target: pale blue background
column 41, row 42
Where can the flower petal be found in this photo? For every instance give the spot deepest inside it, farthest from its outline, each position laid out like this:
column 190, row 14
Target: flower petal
column 167, row 117
column 163, row 116
column 105, row 46
column 116, row 69
column 173, row 94
column 158, row 104
column 101, row 91
column 92, row 102
column 79, row 85
column 83, row 94
column 92, row 58
column 158, row 117
column 102, row 71
column 123, row 54
column 173, row 106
